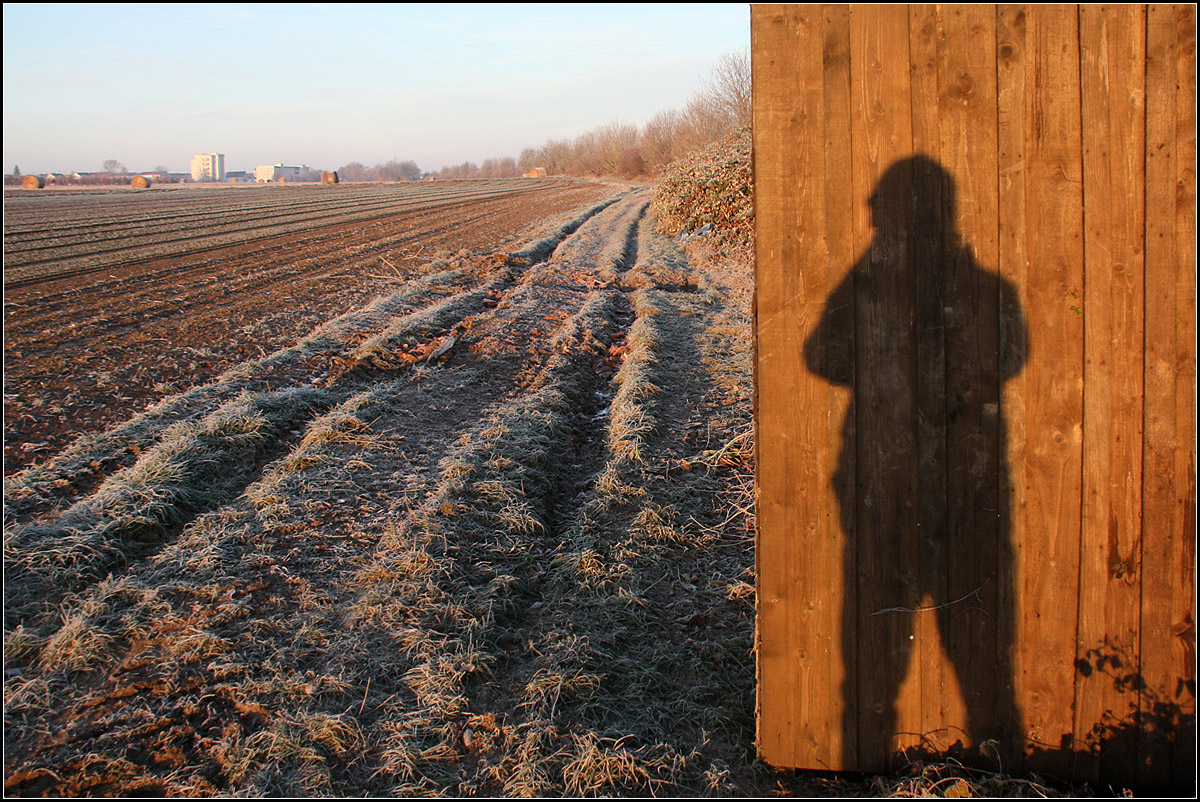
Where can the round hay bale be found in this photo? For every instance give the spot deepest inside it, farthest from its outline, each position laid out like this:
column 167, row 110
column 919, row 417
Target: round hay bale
column 33, row 182
column 329, row 177
column 140, row 182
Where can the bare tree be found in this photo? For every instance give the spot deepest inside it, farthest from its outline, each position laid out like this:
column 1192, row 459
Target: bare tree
column 729, row 86
column 395, row 170
column 557, row 155
column 409, row 170
column 657, row 140
column 113, row 166
column 720, row 106
column 530, row 158
column 613, row 140
column 354, row 171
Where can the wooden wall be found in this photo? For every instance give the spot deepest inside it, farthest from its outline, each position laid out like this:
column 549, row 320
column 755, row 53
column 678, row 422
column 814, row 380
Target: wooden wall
column 975, row 368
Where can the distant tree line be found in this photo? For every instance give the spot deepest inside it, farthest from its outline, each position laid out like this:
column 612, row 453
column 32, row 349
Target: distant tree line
column 393, row 170
column 720, row 106
column 506, row 167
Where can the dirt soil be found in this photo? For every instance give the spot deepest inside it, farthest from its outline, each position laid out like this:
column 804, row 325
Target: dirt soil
column 85, row 351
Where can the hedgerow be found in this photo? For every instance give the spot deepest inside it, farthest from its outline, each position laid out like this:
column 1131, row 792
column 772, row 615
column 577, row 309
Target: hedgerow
column 710, row 186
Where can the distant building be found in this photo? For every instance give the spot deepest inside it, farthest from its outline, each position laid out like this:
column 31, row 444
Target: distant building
column 208, row 166
column 266, row 173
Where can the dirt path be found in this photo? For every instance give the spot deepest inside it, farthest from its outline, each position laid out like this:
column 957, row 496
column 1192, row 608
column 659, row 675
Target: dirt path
column 483, row 536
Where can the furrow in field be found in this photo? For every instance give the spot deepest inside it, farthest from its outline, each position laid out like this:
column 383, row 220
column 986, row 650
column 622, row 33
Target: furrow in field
column 91, row 253
column 114, row 348
column 190, row 280
column 323, row 632
column 65, row 210
column 106, row 226
column 22, row 347
column 569, row 627
column 138, row 508
column 194, row 467
column 34, row 223
column 44, row 487
column 624, row 627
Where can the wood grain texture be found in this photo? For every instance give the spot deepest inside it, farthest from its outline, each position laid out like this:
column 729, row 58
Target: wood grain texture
column 970, row 318
column 1052, row 383
column 943, row 721
column 1166, row 753
column 799, row 563
column 840, row 254
column 885, row 380
column 1012, row 87
column 1112, row 44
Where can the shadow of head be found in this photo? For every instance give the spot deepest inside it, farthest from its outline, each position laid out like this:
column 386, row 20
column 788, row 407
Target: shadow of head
column 917, row 194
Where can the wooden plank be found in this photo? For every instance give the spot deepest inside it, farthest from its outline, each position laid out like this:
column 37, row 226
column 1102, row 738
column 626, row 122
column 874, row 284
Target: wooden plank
column 1051, row 384
column 942, row 721
column 885, row 382
column 799, row 555
column 1112, row 43
column 1166, row 754
column 1183, row 598
column 970, row 316
column 1013, row 265
column 840, row 256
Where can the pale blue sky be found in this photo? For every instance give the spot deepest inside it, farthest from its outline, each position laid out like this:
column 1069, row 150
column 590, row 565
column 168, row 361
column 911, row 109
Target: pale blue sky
column 323, row 85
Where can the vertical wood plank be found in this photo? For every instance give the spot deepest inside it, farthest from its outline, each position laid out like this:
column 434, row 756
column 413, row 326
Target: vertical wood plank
column 942, row 721
column 967, row 105
column 885, row 391
column 1166, row 755
column 1052, row 384
column 1012, row 118
column 798, row 551
column 839, row 237
column 1183, row 586
column 1112, row 44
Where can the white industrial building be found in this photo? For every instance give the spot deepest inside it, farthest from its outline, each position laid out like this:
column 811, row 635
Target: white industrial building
column 208, row 166
column 266, row 173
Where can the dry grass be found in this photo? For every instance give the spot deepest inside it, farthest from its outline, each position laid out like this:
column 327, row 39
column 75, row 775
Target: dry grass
column 196, row 466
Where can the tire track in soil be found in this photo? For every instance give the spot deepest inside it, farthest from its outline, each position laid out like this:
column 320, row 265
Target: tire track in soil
column 329, row 348
column 409, row 339
column 383, row 448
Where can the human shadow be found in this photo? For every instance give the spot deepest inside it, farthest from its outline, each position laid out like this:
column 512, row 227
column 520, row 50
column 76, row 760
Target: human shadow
column 924, row 338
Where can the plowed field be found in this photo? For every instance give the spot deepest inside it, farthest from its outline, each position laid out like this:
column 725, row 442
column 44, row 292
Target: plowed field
column 115, row 299
column 399, row 523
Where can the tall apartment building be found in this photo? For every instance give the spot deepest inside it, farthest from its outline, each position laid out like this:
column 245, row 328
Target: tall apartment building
column 208, row 166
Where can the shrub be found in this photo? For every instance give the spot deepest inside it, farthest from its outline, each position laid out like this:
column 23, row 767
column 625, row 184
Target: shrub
column 710, row 186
